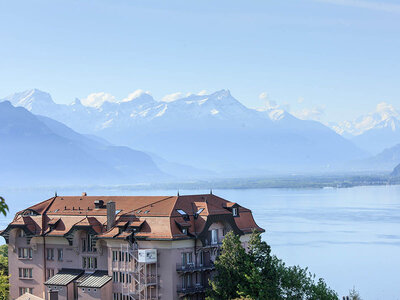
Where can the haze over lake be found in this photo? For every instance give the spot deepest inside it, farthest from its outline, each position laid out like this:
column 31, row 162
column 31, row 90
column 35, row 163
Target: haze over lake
column 347, row 236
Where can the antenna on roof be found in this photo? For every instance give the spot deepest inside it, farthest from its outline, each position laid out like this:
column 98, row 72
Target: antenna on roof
column 211, row 192
column 178, row 193
column 55, row 194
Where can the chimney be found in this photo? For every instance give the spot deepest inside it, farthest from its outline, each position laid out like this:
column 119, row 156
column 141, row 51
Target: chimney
column 84, row 194
column 110, row 215
column 53, row 295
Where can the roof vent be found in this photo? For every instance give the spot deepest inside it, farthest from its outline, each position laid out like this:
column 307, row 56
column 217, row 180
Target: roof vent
column 99, row 204
column 84, row 194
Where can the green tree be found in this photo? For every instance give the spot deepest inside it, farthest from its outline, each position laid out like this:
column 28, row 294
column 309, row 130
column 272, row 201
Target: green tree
column 4, row 277
column 259, row 275
column 354, row 294
column 3, row 206
column 230, row 268
column 4, row 250
column 261, row 281
column 4, row 286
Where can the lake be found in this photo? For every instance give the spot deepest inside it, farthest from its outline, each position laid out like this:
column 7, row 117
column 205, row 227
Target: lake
column 350, row 237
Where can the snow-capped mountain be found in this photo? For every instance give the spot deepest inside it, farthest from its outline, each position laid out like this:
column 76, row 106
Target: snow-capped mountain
column 37, row 149
column 212, row 131
column 375, row 131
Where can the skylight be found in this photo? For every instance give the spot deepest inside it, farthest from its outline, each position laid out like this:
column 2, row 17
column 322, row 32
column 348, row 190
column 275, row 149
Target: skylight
column 199, row 211
column 182, row 212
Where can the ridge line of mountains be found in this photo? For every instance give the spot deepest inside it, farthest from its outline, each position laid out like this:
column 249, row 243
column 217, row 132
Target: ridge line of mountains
column 196, row 136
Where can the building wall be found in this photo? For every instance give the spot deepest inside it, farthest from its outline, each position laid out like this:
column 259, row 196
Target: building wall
column 35, row 263
column 64, row 292
column 169, row 255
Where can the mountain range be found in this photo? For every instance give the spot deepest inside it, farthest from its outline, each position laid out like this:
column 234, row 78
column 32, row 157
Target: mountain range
column 39, row 150
column 375, row 131
column 212, row 132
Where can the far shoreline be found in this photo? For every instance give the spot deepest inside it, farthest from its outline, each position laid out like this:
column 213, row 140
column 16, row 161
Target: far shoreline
column 261, row 182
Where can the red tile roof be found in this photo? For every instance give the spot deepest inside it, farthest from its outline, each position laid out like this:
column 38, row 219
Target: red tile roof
column 156, row 216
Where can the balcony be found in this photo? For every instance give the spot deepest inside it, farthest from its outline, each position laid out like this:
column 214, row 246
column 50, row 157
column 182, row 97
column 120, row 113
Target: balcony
column 191, row 267
column 191, row 290
column 212, row 244
column 151, row 280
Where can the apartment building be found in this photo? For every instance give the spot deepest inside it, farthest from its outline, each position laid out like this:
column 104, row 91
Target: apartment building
column 120, row 247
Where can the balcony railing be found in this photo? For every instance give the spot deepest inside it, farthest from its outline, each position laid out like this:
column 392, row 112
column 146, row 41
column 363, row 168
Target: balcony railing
column 191, row 267
column 211, row 244
column 190, row 290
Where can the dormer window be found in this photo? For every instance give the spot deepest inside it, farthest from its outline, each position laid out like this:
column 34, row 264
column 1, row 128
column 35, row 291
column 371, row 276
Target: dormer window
column 235, row 211
column 184, row 230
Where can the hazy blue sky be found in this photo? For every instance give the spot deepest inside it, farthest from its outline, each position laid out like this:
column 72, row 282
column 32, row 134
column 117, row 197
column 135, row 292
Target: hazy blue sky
column 337, row 56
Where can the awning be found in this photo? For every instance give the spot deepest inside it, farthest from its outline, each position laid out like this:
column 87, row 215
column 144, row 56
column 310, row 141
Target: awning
column 96, row 280
column 64, row 277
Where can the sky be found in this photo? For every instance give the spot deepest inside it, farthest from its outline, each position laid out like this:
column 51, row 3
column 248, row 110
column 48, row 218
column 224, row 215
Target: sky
column 336, row 59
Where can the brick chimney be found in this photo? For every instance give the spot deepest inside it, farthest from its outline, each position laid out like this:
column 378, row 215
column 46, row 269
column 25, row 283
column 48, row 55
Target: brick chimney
column 110, row 215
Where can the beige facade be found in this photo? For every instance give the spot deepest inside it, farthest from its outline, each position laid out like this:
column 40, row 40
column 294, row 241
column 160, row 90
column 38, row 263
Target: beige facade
column 69, row 259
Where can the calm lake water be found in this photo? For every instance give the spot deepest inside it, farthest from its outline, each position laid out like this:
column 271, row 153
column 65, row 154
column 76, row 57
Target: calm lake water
column 350, row 237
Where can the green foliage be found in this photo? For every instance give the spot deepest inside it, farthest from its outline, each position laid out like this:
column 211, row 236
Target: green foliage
column 354, row 294
column 4, row 265
column 231, row 267
column 3, row 206
column 259, row 275
column 4, row 286
column 4, row 250
column 4, row 278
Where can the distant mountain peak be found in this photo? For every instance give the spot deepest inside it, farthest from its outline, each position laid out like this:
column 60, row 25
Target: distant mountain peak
column 385, row 115
column 138, row 94
column 77, row 102
column 30, row 98
column 224, row 93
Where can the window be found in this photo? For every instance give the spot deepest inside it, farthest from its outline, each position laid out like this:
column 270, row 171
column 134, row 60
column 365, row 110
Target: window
column 182, row 212
column 21, row 233
column 25, row 272
column 214, row 236
column 187, row 281
column 49, row 273
column 83, row 244
column 184, row 230
column 115, row 276
column 121, row 256
column 199, row 211
column 60, row 254
column 89, row 243
column 50, row 253
column 187, row 258
column 23, row 290
column 235, row 211
column 115, row 255
column 25, row 253
column 201, row 258
column 89, row 262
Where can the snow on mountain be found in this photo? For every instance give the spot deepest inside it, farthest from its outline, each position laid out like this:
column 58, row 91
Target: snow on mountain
column 375, row 131
column 212, row 131
column 37, row 149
